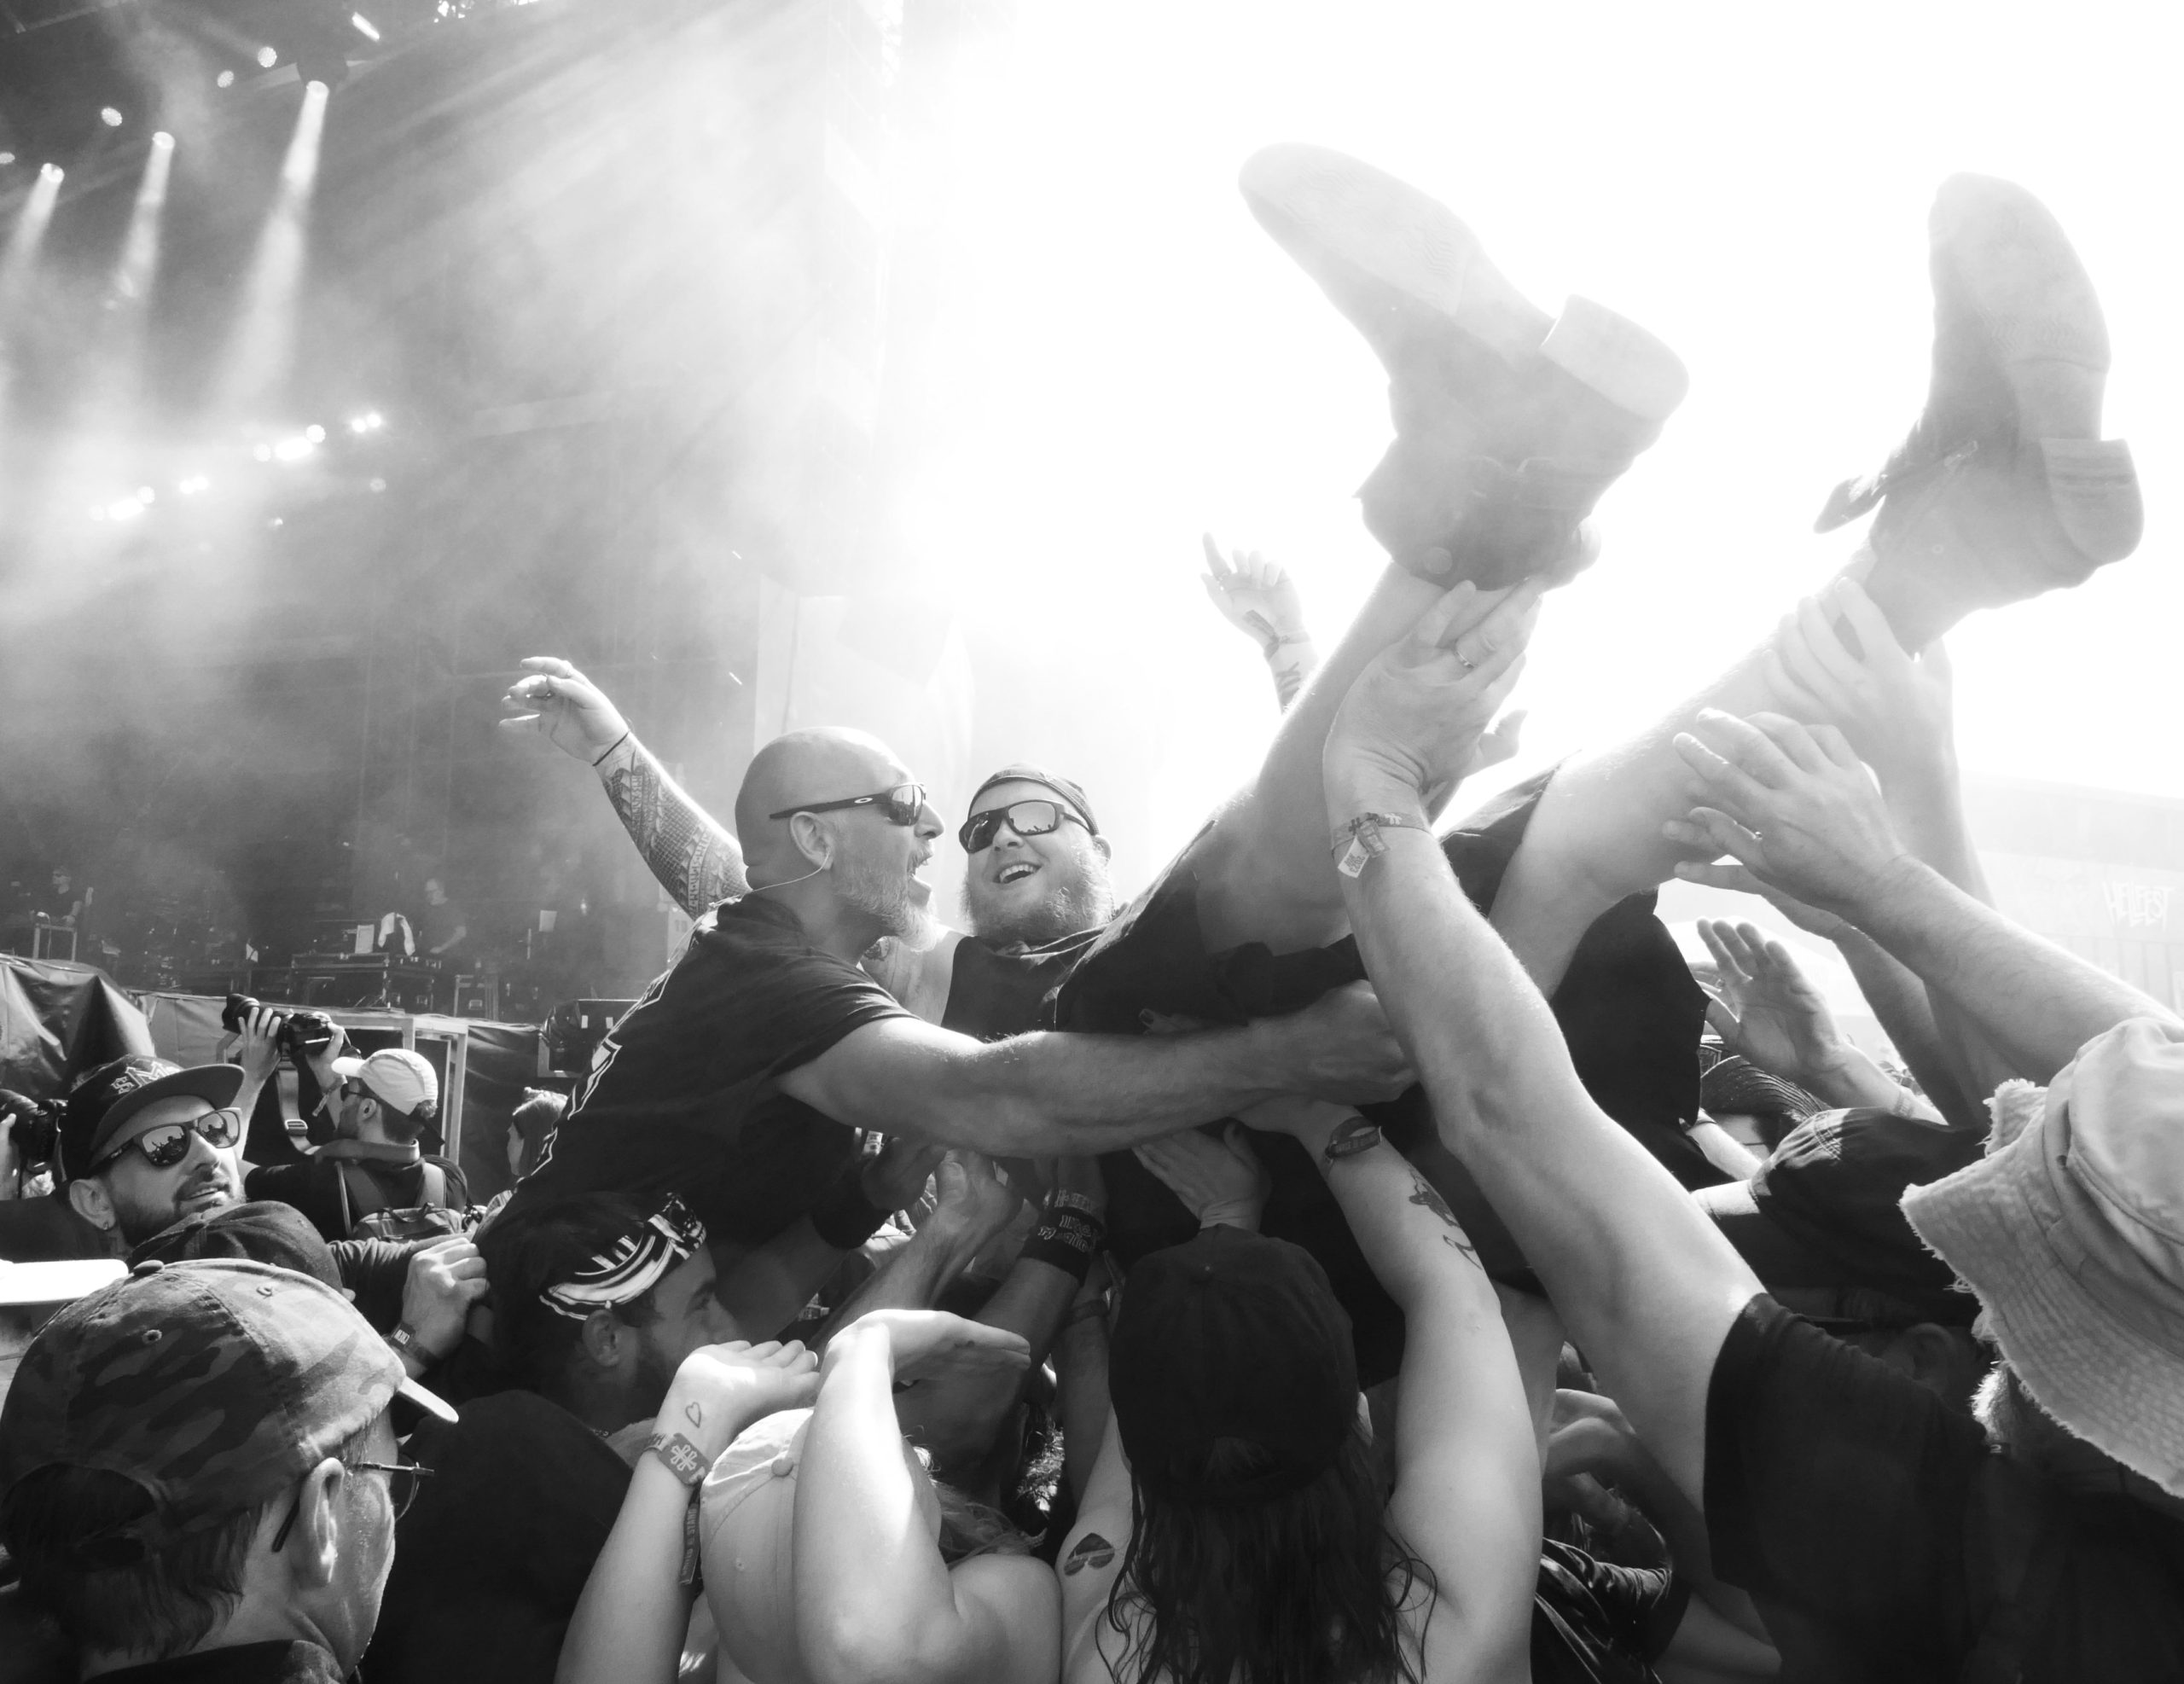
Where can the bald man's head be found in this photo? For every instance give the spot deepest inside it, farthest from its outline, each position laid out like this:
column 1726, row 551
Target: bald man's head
column 865, row 862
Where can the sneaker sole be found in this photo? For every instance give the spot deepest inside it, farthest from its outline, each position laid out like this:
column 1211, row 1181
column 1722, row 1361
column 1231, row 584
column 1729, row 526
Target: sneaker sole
column 2001, row 256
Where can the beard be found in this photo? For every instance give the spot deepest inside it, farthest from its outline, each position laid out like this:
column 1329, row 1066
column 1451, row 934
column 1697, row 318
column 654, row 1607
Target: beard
column 884, row 894
column 139, row 1219
column 1069, row 904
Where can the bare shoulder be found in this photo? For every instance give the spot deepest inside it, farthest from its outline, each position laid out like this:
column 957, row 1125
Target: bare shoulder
column 918, row 978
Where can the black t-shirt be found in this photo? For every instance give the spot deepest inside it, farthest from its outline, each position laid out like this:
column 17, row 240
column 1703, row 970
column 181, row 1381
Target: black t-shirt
column 1854, row 1505
column 997, row 991
column 313, row 1186
column 491, row 1557
column 1595, row 1623
column 439, row 923
column 686, row 1096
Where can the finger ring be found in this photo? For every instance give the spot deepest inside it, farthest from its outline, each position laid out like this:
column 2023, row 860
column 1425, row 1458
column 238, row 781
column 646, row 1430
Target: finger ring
column 1468, row 666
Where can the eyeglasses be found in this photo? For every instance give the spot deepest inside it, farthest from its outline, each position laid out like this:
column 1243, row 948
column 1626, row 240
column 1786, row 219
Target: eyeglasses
column 1025, row 818
column 403, row 1480
column 167, row 1145
column 904, row 804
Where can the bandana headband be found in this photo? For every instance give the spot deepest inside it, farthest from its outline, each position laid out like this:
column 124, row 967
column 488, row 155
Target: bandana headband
column 631, row 1267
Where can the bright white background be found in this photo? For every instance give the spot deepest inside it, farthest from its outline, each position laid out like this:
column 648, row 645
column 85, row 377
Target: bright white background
column 1131, row 360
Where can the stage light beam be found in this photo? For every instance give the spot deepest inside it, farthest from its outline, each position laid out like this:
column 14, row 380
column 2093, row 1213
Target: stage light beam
column 363, row 26
column 261, row 344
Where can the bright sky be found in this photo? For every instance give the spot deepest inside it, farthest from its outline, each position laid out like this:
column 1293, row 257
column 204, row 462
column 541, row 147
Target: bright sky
column 1137, row 360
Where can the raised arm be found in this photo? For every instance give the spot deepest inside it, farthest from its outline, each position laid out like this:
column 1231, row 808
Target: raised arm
column 1257, row 596
column 1646, row 1283
column 1798, row 809
column 629, row 1622
column 874, row 1599
column 1466, row 1497
column 690, row 853
column 1059, row 1095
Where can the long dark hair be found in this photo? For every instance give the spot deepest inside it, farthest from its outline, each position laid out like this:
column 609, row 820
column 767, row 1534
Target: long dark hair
column 1309, row 1588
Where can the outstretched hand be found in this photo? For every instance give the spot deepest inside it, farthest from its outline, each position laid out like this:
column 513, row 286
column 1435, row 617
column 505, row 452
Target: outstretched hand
column 1254, row 594
column 567, row 708
column 1738, row 880
column 1767, row 1009
column 1895, row 711
column 1794, row 806
column 1220, row 1181
column 1340, row 1048
column 1415, row 716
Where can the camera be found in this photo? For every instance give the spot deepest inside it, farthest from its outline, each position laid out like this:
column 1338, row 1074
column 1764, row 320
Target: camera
column 37, row 1133
column 299, row 1032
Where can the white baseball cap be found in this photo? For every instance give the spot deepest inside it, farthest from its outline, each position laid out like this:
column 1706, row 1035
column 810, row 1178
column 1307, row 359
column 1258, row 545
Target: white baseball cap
column 400, row 1079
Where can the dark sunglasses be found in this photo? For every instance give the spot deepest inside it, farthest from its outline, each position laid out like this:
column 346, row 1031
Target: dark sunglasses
column 403, row 1480
column 904, row 804
column 1025, row 818
column 167, row 1145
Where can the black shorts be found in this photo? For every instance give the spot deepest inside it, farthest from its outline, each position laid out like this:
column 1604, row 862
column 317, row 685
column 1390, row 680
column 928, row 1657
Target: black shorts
column 1629, row 1008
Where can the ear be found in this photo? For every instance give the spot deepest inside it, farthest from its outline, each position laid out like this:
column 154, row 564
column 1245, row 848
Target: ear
column 314, row 1546
column 88, row 1198
column 1933, row 1354
column 604, row 1338
column 809, row 831
column 1105, row 848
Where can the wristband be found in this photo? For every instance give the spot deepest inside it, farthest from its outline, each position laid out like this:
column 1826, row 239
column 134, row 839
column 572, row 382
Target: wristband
column 844, row 1215
column 406, row 1343
column 1062, row 1198
column 1068, row 1239
column 684, row 1460
column 1351, row 1136
column 1358, row 843
column 609, row 749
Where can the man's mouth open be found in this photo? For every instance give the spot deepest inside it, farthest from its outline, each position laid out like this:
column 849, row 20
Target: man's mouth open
column 1015, row 872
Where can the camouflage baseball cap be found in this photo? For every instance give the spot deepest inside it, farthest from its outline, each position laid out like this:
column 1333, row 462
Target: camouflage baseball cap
column 213, row 1384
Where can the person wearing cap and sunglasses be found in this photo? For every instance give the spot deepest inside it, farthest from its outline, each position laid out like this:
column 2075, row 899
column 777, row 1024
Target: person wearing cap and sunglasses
column 380, row 1105
column 200, row 1477
column 145, row 1143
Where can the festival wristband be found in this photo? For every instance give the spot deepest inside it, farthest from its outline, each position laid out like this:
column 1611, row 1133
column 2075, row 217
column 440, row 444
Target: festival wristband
column 1068, row 1239
column 692, row 1557
column 845, row 1216
column 684, row 1460
column 1348, row 1137
column 1358, row 843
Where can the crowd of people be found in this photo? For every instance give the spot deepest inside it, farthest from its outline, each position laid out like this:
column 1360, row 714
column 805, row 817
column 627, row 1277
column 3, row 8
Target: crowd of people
column 1371, row 1254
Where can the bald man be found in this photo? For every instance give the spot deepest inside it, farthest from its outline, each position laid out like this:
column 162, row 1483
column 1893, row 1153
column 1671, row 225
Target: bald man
column 743, row 1076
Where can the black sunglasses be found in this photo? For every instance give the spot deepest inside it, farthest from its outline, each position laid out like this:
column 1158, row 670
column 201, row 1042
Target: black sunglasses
column 1025, row 818
column 904, row 804
column 403, row 1480
column 167, row 1145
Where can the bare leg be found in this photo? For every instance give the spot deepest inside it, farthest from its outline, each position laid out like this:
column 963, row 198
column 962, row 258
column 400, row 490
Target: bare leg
column 1265, row 873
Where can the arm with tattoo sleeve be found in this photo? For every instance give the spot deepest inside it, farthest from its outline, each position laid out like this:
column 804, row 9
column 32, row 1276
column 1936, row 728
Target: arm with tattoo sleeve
column 695, row 859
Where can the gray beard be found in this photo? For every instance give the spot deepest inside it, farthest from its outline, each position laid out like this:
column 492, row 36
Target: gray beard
column 885, row 897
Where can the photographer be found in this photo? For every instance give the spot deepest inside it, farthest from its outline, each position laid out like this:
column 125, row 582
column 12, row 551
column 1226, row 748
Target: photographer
column 377, row 1107
column 37, row 1224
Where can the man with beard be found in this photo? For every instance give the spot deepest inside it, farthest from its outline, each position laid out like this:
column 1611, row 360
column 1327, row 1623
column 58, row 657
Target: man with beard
column 146, row 1143
column 743, row 1076
column 596, row 1300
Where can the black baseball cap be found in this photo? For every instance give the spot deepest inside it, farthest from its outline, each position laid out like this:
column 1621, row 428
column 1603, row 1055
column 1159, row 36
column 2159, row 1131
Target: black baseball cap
column 103, row 1101
column 1068, row 788
column 1822, row 1226
column 1231, row 1335
column 263, row 1230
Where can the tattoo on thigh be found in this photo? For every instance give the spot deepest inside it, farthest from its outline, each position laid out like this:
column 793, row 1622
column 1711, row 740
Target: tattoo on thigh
column 1092, row 1551
column 1422, row 1192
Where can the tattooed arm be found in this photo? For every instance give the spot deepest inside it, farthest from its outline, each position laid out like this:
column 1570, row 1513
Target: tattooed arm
column 696, row 860
column 1466, row 1499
